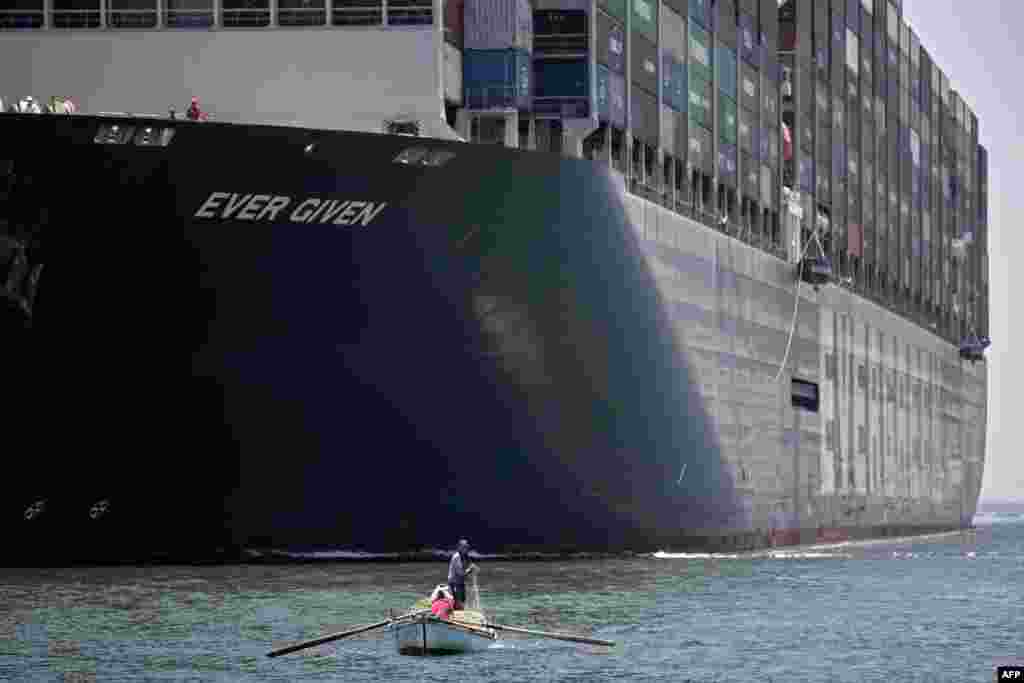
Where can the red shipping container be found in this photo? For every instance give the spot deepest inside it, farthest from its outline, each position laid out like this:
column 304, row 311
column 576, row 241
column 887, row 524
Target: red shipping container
column 854, row 240
column 787, row 37
column 454, row 26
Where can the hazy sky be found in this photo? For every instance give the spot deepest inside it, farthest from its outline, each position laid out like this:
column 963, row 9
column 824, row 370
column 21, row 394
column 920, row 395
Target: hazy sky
column 976, row 45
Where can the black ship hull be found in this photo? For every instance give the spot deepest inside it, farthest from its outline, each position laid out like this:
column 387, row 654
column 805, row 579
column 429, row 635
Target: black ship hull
column 488, row 356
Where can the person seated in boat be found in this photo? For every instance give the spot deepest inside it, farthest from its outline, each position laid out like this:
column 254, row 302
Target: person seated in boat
column 458, row 569
column 441, row 602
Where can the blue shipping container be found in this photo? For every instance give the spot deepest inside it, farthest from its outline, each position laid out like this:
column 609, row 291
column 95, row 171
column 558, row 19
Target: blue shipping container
column 806, row 174
column 853, row 15
column 603, row 94
column 749, row 49
column 667, row 97
column 699, row 12
column 821, row 60
column 617, row 49
column 496, row 78
column 726, row 70
column 771, row 73
column 727, row 163
column 679, row 80
column 561, row 78
column 611, row 44
column 673, row 82
column 617, row 99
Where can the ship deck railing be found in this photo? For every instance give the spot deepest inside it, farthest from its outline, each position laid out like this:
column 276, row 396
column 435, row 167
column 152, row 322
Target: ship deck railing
column 746, row 233
column 898, row 302
column 395, row 13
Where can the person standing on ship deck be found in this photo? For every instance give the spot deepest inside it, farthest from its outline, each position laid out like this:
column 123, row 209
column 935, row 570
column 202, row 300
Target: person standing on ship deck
column 194, row 113
column 458, row 571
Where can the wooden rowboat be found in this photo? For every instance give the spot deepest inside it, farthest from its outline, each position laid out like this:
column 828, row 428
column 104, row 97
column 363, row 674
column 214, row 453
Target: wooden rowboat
column 431, row 635
column 419, row 632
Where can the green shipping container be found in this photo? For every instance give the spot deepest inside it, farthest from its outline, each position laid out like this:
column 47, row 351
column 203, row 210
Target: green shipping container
column 645, row 18
column 726, row 70
column 727, row 120
column 700, row 101
column 616, row 8
column 700, row 53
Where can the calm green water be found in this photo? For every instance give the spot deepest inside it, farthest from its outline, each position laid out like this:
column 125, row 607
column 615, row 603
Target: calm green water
column 939, row 609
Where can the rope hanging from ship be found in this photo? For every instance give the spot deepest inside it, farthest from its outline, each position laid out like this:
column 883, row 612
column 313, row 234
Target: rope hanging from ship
column 796, row 304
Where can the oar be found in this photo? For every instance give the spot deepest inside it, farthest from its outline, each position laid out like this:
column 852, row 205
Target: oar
column 548, row 634
column 478, row 629
column 343, row 634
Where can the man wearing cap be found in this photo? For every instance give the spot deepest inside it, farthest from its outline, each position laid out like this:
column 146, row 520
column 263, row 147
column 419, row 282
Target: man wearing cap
column 458, row 571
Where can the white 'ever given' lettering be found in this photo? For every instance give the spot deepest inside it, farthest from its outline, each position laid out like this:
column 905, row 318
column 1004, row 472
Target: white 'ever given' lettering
column 268, row 208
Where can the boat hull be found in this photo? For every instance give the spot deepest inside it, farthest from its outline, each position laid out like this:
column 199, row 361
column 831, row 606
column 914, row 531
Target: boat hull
column 509, row 349
column 433, row 636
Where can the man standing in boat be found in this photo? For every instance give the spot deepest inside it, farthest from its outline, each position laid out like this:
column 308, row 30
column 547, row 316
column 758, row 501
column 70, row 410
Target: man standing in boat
column 458, row 569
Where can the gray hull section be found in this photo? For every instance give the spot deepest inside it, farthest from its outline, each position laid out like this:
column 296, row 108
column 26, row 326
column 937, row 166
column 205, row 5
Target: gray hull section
column 898, row 442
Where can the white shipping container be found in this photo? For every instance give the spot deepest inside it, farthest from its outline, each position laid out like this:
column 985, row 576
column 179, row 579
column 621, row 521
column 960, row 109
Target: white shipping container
column 498, row 25
column 668, row 129
column 452, row 74
column 673, row 33
column 699, row 52
column 852, row 51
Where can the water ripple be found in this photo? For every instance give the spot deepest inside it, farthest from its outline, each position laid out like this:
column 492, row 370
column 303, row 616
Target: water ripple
column 937, row 609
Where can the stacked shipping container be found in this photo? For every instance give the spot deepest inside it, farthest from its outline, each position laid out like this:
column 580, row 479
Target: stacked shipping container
column 498, row 41
column 883, row 152
column 495, row 79
column 611, row 60
column 701, row 151
column 498, row 25
column 644, row 114
column 888, row 156
column 454, row 30
column 561, row 65
column 454, row 22
column 674, row 96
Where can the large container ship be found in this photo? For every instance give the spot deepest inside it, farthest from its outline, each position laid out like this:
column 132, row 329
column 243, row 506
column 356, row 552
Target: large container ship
column 556, row 275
